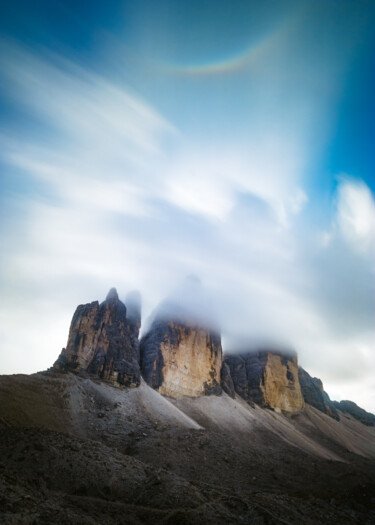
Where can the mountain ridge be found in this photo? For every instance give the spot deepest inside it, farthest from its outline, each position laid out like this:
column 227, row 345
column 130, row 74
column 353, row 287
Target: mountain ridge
column 104, row 341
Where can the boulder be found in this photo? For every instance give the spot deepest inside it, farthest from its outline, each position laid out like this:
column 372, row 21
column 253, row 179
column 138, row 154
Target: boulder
column 267, row 378
column 103, row 341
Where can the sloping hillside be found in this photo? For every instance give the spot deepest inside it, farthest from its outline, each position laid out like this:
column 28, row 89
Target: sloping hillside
column 80, row 449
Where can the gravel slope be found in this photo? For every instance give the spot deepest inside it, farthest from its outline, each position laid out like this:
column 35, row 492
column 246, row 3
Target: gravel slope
column 75, row 450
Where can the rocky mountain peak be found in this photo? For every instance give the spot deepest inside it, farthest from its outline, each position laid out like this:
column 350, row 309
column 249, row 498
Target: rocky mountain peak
column 103, row 342
column 180, row 357
column 112, row 295
column 268, row 378
column 181, row 353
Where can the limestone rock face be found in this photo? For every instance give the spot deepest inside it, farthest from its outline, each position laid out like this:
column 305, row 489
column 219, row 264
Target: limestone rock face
column 267, row 378
column 104, row 341
column 314, row 394
column 179, row 359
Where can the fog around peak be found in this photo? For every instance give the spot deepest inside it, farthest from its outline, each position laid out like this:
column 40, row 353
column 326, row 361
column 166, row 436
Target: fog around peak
column 188, row 303
column 133, row 303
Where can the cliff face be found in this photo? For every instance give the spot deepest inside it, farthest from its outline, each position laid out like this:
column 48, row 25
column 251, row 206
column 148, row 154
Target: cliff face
column 266, row 378
column 104, row 342
column 314, row 394
column 178, row 359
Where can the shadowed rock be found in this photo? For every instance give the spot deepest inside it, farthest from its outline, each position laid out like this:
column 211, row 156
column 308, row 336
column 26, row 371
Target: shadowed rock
column 314, row 394
column 104, row 342
column 267, row 378
column 349, row 407
column 227, row 381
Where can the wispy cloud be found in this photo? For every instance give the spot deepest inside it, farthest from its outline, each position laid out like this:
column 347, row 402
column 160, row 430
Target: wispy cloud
column 116, row 195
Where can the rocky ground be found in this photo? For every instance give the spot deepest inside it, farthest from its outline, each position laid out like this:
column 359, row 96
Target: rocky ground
column 76, row 450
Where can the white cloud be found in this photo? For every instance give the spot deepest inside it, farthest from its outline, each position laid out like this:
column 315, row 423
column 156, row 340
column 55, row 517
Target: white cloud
column 199, row 184
column 119, row 198
column 346, row 366
column 99, row 134
column 83, row 107
column 356, row 213
column 208, row 182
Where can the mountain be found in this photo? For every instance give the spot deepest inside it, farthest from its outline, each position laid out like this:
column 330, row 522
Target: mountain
column 181, row 359
column 267, row 378
column 103, row 340
column 169, row 430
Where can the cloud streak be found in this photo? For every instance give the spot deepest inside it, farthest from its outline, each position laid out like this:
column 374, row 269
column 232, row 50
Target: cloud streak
column 117, row 195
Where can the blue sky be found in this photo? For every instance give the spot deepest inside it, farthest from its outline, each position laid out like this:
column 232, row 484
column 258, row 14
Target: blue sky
column 145, row 141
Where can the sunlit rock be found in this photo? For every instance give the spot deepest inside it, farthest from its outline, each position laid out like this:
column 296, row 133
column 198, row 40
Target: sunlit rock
column 181, row 352
column 267, row 378
column 178, row 359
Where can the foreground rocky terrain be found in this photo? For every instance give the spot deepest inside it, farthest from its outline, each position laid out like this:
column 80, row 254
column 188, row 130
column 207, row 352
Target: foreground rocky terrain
column 90, row 441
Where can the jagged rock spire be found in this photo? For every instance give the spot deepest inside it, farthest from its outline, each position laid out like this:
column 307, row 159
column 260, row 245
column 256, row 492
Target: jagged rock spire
column 103, row 342
column 112, row 295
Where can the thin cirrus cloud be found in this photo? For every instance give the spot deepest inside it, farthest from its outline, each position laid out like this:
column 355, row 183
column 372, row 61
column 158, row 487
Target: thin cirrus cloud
column 117, row 195
column 103, row 134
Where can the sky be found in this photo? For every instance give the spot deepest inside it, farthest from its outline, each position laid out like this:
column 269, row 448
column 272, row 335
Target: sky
column 143, row 142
